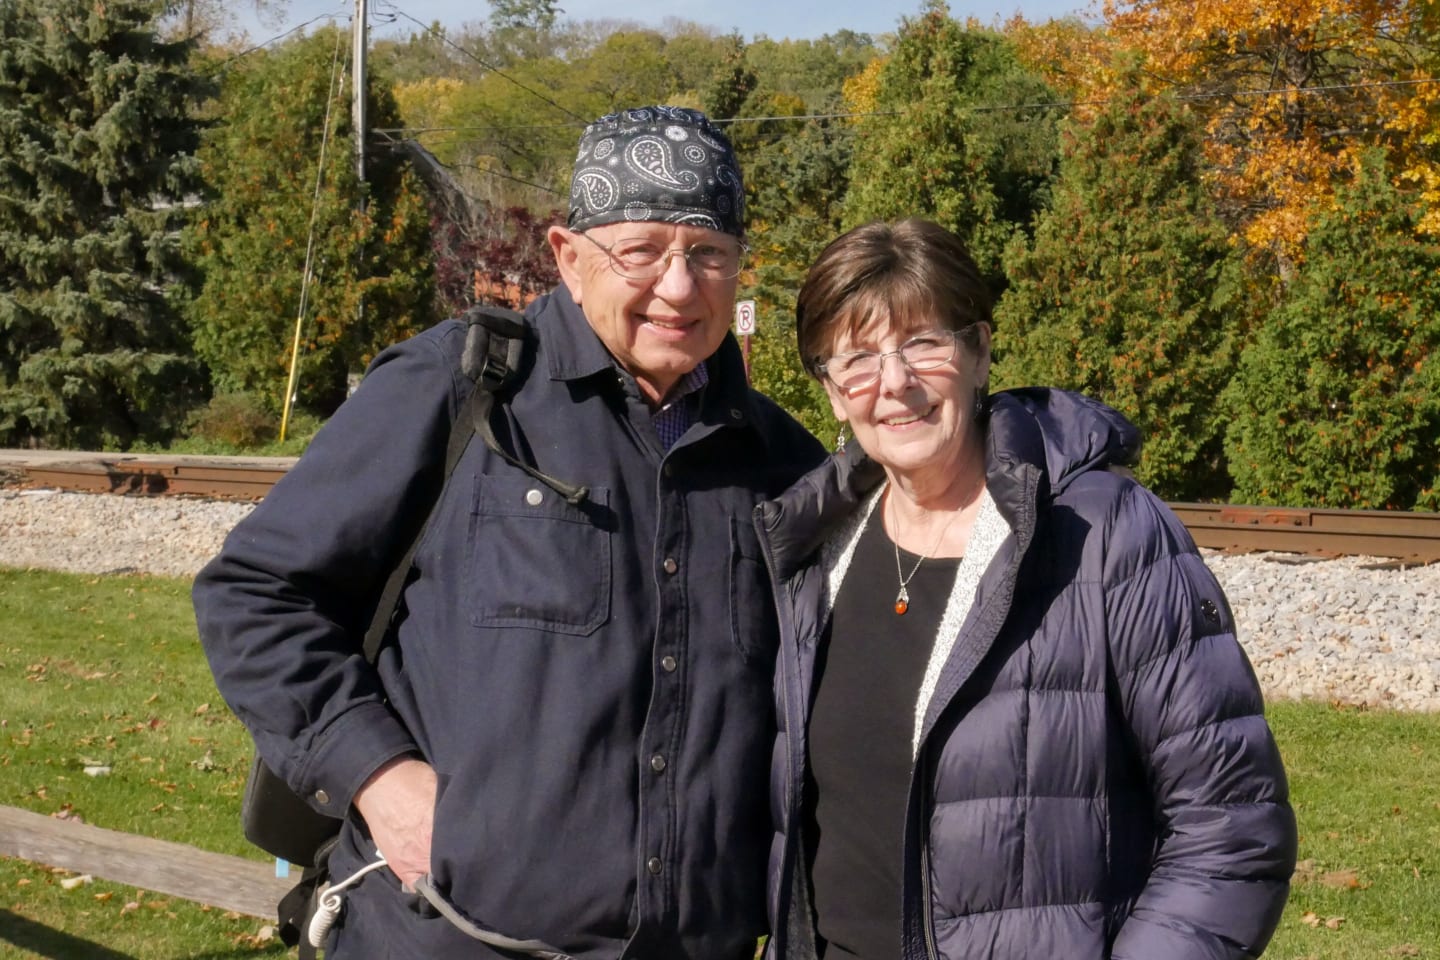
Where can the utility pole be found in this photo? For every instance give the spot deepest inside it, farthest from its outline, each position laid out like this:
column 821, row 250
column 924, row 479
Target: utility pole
column 360, row 35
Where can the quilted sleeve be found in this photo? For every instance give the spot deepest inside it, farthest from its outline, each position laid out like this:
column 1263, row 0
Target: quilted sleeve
column 1193, row 707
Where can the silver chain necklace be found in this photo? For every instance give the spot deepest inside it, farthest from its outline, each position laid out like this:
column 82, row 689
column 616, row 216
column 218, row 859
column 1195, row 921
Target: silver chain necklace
column 902, row 599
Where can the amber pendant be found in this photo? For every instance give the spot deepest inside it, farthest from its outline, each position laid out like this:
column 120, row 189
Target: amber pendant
column 902, row 602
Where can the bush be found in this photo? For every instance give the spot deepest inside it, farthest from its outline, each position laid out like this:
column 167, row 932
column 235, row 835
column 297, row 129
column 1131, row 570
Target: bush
column 1336, row 402
column 239, row 420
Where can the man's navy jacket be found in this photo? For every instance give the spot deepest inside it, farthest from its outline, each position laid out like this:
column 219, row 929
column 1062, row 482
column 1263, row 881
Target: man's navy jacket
column 591, row 683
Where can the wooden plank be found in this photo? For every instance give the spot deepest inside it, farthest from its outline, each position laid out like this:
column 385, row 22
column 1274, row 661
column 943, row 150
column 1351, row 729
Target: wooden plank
column 229, row 883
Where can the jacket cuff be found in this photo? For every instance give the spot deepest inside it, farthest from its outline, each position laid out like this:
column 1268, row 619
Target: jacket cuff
column 344, row 756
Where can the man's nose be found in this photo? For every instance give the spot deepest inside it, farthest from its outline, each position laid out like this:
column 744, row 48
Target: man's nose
column 678, row 281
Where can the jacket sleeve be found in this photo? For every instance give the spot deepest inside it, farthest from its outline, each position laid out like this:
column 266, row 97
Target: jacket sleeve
column 1192, row 706
column 282, row 610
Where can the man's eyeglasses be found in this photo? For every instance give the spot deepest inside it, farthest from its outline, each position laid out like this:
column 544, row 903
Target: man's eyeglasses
column 924, row 351
column 636, row 258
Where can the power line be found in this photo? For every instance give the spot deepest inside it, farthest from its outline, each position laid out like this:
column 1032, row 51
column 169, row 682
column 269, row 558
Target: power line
column 993, row 108
column 275, row 39
column 488, row 66
column 481, row 170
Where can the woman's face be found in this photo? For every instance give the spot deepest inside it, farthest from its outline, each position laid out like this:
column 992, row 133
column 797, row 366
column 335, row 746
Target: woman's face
column 913, row 421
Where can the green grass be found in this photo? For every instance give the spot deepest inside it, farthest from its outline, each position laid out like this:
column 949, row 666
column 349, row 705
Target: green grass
column 1364, row 785
column 106, row 671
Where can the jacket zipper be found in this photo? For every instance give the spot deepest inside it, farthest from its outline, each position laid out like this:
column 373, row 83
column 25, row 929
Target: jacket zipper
column 927, row 916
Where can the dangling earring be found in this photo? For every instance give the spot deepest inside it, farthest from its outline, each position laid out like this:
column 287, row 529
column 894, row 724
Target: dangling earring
column 981, row 396
column 840, row 439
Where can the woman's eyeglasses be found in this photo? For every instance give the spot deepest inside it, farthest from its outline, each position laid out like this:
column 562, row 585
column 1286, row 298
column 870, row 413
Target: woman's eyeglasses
column 924, row 351
column 636, row 258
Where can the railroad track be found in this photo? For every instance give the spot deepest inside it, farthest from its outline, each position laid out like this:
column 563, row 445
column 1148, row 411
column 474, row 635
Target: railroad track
column 1405, row 537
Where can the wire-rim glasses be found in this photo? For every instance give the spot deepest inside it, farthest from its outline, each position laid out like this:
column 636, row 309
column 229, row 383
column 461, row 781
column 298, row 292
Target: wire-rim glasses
column 640, row 258
column 924, row 351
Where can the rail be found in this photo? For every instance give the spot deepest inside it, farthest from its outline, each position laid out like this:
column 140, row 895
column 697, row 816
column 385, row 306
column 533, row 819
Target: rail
column 175, row 869
column 1408, row 537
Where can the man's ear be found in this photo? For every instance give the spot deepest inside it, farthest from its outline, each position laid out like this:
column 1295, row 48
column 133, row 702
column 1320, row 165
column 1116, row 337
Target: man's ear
column 562, row 245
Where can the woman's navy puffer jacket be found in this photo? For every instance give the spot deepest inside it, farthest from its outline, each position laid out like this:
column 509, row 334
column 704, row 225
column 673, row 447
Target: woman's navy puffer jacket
column 1094, row 776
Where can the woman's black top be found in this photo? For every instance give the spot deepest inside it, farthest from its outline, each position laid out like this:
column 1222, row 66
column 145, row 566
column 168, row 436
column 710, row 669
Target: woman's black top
column 861, row 732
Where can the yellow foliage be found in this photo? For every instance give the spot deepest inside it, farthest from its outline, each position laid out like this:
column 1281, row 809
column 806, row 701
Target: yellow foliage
column 1064, row 52
column 1291, row 91
column 862, row 91
column 428, row 102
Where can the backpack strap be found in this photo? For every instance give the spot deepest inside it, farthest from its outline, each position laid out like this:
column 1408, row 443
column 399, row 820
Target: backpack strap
column 494, row 357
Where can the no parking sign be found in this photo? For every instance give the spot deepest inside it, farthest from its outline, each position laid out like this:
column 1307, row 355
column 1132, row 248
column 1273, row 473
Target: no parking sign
column 745, row 317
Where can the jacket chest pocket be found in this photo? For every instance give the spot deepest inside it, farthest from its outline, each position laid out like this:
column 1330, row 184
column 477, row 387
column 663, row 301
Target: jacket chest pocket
column 537, row 561
column 752, row 608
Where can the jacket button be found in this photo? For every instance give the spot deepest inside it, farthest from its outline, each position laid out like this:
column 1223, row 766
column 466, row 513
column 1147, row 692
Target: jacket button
column 322, row 798
column 735, row 414
column 657, row 763
column 534, row 497
column 654, row 865
column 670, row 565
column 668, row 663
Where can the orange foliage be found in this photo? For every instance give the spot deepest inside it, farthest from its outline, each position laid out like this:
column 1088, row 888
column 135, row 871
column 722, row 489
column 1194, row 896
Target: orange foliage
column 1291, row 91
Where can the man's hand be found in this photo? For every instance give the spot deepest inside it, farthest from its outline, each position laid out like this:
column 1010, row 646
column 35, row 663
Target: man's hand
column 398, row 804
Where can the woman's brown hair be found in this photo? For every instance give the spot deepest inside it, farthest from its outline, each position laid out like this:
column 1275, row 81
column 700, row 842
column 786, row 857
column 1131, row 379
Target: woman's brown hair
column 910, row 272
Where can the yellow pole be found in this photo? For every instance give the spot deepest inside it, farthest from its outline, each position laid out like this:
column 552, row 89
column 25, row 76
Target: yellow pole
column 294, row 359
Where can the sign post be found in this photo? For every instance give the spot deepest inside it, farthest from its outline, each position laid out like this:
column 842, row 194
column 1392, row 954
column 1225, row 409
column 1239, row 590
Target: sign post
column 744, row 327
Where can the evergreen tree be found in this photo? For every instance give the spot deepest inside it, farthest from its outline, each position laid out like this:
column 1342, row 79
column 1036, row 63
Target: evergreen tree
column 97, row 161
column 1336, row 403
column 957, row 131
column 795, row 175
column 282, row 112
column 1129, row 291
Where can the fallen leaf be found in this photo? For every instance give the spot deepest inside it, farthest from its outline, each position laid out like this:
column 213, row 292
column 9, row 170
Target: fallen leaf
column 70, row 883
column 102, row 897
column 1310, row 919
column 1333, row 923
column 1403, row 950
column 132, row 905
column 1341, row 880
column 203, row 709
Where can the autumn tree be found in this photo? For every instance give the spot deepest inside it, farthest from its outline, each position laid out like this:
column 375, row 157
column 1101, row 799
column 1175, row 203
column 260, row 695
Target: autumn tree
column 97, row 146
column 287, row 196
column 1336, row 403
column 1291, row 92
column 1129, row 291
column 954, row 129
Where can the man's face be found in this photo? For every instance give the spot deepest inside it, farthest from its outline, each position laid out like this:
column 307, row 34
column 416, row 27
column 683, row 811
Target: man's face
column 659, row 328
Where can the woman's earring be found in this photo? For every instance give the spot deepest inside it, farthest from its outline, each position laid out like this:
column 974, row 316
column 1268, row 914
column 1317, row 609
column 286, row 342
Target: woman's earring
column 840, row 439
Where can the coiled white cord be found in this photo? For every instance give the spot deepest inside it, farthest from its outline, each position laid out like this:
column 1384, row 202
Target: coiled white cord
column 329, row 906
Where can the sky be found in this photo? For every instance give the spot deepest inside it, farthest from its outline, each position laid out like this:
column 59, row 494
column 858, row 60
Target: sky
column 777, row 19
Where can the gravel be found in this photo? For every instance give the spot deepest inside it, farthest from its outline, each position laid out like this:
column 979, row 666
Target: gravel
column 1353, row 630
